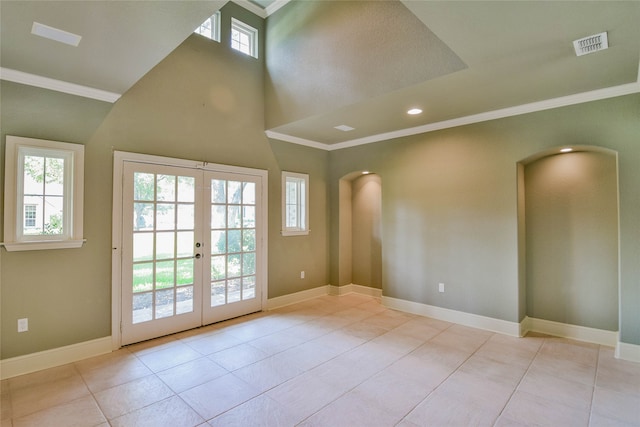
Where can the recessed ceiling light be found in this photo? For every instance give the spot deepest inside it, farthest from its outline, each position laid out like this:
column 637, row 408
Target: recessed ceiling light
column 414, row 111
column 344, row 128
column 55, row 34
column 566, row 150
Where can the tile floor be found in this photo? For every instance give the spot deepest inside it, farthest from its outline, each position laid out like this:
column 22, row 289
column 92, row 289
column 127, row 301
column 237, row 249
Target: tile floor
column 334, row 361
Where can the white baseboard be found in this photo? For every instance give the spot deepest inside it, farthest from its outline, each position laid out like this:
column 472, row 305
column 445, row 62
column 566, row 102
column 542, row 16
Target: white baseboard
column 284, row 300
column 55, row 357
column 454, row 316
column 626, row 351
column 353, row 288
column 574, row 332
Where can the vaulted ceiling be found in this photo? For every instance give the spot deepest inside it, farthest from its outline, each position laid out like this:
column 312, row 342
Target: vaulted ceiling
column 514, row 57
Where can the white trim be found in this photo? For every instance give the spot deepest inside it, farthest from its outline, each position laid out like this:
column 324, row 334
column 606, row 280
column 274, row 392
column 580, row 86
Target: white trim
column 565, row 330
column 626, row 351
column 353, row 288
column 257, row 10
column 296, row 297
column 295, row 140
column 454, row 316
column 36, row 246
column 57, row 85
column 28, row 363
column 580, row 98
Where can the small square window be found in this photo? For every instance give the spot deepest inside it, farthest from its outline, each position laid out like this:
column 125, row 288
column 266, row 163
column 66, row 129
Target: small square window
column 244, row 38
column 210, row 28
column 295, row 204
column 30, row 216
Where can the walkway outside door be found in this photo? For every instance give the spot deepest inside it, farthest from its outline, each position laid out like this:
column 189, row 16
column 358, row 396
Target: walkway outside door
column 192, row 243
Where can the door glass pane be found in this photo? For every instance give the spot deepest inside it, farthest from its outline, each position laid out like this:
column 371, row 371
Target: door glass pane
column 218, row 293
column 248, row 216
column 248, row 264
column 142, row 307
column 234, row 194
column 218, row 216
column 248, row 287
column 234, row 220
column 248, row 240
column 143, row 186
column 218, row 191
column 143, row 277
column 184, row 275
column 218, row 241
column 186, row 189
column 233, row 290
column 166, row 188
column 184, row 299
column 142, row 247
column 233, row 265
column 186, row 217
column 249, row 193
column 166, row 216
column 164, row 303
column 234, row 240
column 165, row 245
column 185, row 243
column 142, row 216
column 165, row 274
column 218, row 270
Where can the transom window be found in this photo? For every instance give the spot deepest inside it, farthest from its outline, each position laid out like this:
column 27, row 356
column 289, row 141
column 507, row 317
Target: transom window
column 211, row 27
column 244, row 38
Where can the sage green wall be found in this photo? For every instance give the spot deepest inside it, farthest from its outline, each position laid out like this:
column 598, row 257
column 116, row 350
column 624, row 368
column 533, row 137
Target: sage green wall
column 366, row 231
column 450, row 206
column 571, row 216
column 203, row 102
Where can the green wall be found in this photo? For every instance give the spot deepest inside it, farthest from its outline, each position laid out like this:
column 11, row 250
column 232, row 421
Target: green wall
column 450, row 206
column 571, row 217
column 203, row 102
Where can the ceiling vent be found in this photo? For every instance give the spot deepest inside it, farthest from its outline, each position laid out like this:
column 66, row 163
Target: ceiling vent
column 591, row 44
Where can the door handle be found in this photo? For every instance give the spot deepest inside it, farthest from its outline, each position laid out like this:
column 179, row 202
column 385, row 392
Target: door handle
column 197, row 256
column 198, row 245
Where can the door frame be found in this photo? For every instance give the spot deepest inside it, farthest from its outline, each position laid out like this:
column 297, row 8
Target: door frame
column 119, row 159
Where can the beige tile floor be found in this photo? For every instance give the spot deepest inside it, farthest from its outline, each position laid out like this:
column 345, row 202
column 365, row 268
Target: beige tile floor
column 334, row 361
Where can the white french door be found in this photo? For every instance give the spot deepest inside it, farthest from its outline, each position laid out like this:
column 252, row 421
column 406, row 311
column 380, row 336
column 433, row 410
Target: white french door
column 191, row 248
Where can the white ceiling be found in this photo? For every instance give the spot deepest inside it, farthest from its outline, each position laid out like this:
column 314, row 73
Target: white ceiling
column 519, row 58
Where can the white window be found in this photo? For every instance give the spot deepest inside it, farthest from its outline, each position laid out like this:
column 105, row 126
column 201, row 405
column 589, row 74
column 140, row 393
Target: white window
column 211, row 27
column 295, row 204
column 43, row 194
column 30, row 216
column 244, row 38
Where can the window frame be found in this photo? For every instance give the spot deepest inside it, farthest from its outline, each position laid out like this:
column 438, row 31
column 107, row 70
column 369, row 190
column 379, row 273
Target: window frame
column 250, row 32
column 15, row 238
column 215, row 27
column 302, row 193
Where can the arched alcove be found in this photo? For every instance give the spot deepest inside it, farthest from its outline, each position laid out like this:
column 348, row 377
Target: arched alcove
column 360, row 245
column 568, row 229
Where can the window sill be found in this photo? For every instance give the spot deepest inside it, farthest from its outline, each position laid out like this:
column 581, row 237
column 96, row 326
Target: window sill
column 295, row 233
column 40, row 245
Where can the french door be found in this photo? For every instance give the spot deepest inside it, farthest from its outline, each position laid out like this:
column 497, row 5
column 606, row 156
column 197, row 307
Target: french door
column 191, row 248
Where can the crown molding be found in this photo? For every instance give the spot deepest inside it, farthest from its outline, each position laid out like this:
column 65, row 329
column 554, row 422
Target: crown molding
column 580, row 98
column 57, row 85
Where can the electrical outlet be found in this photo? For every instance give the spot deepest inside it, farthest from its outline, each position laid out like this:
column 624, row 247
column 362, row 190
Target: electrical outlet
column 23, row 325
column 440, row 287
column 302, row 274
